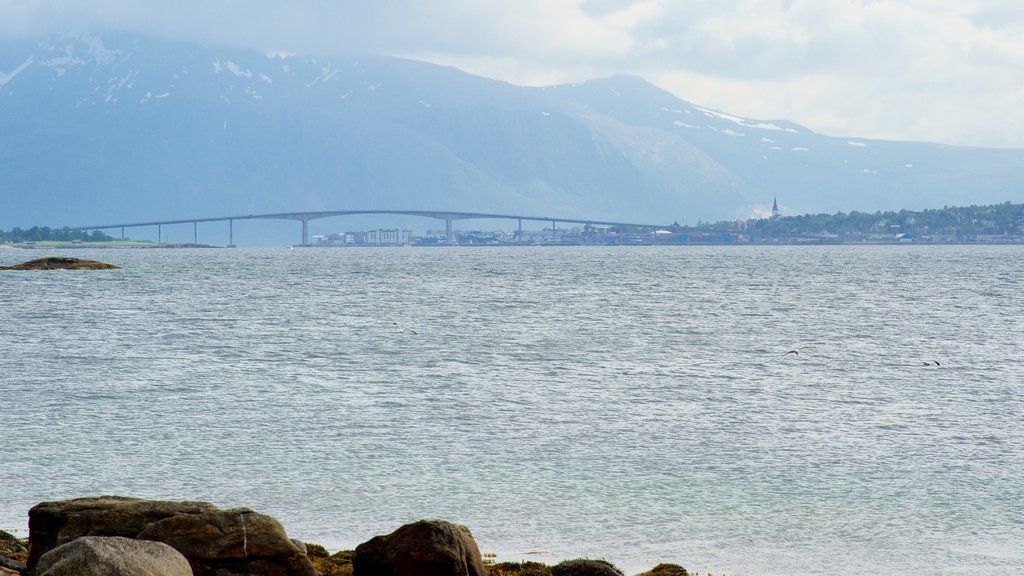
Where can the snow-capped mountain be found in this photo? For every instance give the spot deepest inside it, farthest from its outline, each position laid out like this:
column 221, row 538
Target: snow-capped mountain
column 98, row 130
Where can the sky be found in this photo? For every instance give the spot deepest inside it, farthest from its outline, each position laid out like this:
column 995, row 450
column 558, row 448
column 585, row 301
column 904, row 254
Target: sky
column 947, row 71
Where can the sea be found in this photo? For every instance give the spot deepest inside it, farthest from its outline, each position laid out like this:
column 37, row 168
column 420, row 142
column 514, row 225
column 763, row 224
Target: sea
column 635, row 404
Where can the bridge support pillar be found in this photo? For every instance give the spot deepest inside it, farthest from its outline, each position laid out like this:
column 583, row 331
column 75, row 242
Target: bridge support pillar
column 122, row 233
column 519, row 234
column 231, row 233
column 448, row 231
column 159, row 233
column 195, row 232
column 305, row 231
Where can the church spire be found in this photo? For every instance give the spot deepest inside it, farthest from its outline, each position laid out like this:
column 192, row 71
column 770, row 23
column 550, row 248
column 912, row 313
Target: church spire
column 775, row 208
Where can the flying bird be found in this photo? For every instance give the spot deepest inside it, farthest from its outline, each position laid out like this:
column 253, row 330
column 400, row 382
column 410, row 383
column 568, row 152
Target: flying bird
column 794, row 352
column 403, row 328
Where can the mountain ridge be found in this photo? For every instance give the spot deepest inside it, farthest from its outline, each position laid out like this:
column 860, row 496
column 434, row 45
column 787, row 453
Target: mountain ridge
column 129, row 128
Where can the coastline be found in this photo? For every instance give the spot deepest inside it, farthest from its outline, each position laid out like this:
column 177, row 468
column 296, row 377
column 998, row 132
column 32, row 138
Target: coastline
column 18, row 557
column 14, row 554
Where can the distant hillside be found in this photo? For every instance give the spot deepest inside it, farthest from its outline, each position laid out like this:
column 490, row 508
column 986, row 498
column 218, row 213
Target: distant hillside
column 952, row 223
column 126, row 128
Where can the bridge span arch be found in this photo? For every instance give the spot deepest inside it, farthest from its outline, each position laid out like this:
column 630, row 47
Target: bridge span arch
column 448, row 216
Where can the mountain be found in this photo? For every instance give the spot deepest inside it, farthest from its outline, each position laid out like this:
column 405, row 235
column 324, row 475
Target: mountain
column 124, row 128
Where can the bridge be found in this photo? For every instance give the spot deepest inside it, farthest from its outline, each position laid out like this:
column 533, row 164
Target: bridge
column 304, row 217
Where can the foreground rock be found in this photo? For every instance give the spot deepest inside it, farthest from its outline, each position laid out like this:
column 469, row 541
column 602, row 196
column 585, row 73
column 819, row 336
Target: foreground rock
column 61, row 263
column 584, row 567
column 424, row 548
column 668, row 570
column 237, row 541
column 113, row 556
column 215, row 542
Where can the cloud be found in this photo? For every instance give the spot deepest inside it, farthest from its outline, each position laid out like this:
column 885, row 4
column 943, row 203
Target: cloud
column 940, row 70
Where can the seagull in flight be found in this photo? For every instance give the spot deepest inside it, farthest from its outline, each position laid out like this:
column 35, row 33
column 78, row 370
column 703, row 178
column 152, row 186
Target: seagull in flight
column 932, row 362
column 794, row 352
column 403, row 328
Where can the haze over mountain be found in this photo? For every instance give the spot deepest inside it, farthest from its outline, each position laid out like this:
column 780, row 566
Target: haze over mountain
column 124, row 128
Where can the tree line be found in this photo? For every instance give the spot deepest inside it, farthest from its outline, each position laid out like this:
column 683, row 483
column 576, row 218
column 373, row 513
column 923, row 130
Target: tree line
column 998, row 219
column 47, row 234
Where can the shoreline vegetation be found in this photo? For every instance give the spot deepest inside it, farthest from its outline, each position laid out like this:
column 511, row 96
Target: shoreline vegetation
column 989, row 224
column 108, row 532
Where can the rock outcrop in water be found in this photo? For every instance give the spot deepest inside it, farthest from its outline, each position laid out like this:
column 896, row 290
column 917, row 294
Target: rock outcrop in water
column 61, row 263
column 424, row 548
column 216, row 542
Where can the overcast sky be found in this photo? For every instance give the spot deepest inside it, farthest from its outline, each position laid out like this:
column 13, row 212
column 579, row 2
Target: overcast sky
column 948, row 71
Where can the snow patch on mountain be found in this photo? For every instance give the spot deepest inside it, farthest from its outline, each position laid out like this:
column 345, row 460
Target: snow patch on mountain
column 230, row 67
column 7, row 77
column 61, row 64
column 746, row 123
column 116, row 84
column 150, row 96
column 100, row 53
column 326, row 73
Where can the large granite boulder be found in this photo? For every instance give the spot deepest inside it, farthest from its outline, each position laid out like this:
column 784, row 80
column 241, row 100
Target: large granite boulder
column 51, row 524
column 236, row 541
column 112, row 556
column 424, row 548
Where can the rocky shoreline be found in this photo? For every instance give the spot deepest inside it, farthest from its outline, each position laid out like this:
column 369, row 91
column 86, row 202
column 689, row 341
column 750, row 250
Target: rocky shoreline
column 115, row 536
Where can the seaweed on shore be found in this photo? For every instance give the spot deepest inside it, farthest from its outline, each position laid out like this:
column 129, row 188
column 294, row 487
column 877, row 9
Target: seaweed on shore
column 13, row 547
column 519, row 569
column 668, row 570
column 13, row 553
column 327, row 564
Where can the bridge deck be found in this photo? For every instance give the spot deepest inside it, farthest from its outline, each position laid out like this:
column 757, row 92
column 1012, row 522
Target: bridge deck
column 436, row 214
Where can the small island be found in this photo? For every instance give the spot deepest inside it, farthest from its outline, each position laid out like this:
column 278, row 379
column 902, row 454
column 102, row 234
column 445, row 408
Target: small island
column 61, row 263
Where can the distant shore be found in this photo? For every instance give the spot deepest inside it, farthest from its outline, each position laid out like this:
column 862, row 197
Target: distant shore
column 99, row 245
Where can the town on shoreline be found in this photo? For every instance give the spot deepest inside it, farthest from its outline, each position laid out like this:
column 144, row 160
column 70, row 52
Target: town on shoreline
column 992, row 224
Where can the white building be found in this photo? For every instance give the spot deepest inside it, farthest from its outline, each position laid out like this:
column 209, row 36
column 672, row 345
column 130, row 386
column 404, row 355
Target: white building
column 392, row 237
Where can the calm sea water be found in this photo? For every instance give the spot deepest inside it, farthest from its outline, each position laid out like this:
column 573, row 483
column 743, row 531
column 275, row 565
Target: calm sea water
column 626, row 403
